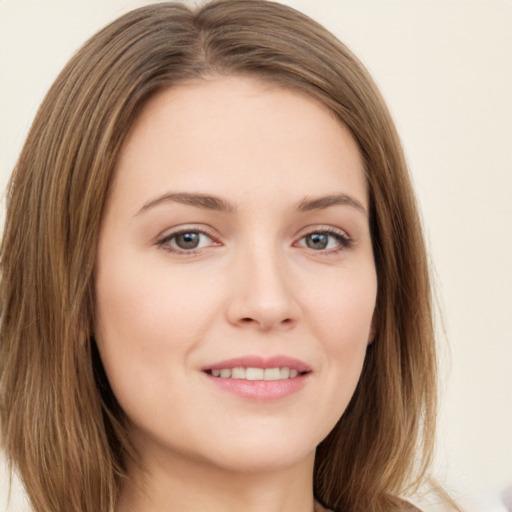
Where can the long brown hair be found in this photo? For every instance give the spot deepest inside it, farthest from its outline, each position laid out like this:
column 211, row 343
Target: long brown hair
column 60, row 424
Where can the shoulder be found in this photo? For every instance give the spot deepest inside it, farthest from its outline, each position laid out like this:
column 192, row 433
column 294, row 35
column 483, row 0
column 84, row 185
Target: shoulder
column 409, row 507
column 405, row 507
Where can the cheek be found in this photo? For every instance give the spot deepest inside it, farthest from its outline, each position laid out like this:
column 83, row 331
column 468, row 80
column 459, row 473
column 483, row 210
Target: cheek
column 147, row 323
column 141, row 302
column 345, row 344
column 342, row 311
column 342, row 319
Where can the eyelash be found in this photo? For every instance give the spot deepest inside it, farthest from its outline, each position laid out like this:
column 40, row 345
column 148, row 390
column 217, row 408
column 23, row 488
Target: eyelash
column 164, row 243
column 343, row 240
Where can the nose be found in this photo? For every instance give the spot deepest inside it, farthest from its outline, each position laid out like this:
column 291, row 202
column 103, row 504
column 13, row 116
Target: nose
column 263, row 295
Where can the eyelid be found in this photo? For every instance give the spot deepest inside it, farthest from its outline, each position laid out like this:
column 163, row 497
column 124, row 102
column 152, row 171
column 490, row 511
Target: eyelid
column 345, row 240
column 164, row 239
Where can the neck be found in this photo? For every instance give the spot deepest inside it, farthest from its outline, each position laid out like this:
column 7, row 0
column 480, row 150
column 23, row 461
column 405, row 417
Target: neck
column 187, row 486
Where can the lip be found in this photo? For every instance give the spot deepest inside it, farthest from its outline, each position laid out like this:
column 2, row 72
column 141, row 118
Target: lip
column 260, row 390
column 254, row 361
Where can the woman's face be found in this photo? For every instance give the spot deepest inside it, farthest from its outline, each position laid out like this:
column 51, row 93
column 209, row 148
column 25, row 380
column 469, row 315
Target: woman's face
column 235, row 280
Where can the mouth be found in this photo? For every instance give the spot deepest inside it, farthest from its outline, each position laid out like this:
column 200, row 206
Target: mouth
column 255, row 373
column 260, row 378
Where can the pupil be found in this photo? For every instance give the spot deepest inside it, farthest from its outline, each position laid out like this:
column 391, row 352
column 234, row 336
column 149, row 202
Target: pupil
column 187, row 240
column 317, row 241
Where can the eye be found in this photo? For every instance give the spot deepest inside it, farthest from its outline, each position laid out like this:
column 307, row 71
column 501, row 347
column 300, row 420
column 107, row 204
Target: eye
column 186, row 241
column 325, row 240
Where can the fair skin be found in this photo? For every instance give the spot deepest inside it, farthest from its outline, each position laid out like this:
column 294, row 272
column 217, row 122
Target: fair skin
column 236, row 235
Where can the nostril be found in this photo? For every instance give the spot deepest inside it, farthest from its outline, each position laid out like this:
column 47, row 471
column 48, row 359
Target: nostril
column 248, row 320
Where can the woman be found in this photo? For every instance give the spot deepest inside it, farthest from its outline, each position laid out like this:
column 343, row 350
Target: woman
column 215, row 293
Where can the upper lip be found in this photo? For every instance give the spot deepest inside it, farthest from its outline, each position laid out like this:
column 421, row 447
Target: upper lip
column 254, row 361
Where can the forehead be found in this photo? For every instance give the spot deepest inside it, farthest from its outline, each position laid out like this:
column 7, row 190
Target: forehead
column 220, row 133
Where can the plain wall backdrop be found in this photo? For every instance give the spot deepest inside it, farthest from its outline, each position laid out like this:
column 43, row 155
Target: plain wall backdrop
column 445, row 69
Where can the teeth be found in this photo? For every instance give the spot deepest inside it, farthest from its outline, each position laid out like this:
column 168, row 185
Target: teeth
column 271, row 374
column 256, row 373
column 284, row 373
column 238, row 373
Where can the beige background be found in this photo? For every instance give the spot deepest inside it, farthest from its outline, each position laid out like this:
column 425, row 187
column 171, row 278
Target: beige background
column 445, row 68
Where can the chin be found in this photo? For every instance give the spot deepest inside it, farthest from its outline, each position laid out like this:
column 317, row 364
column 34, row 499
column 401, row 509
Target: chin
column 262, row 458
column 241, row 450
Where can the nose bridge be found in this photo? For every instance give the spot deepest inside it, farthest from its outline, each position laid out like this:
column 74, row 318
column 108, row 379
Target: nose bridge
column 263, row 294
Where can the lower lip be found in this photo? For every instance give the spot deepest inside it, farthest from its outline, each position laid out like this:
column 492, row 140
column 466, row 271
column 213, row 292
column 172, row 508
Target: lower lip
column 260, row 390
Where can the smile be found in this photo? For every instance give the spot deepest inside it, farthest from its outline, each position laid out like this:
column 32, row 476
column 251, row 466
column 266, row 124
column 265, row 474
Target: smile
column 259, row 378
column 253, row 373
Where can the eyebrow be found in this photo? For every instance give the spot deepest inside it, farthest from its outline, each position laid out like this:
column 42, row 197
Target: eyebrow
column 320, row 203
column 214, row 203
column 204, row 201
